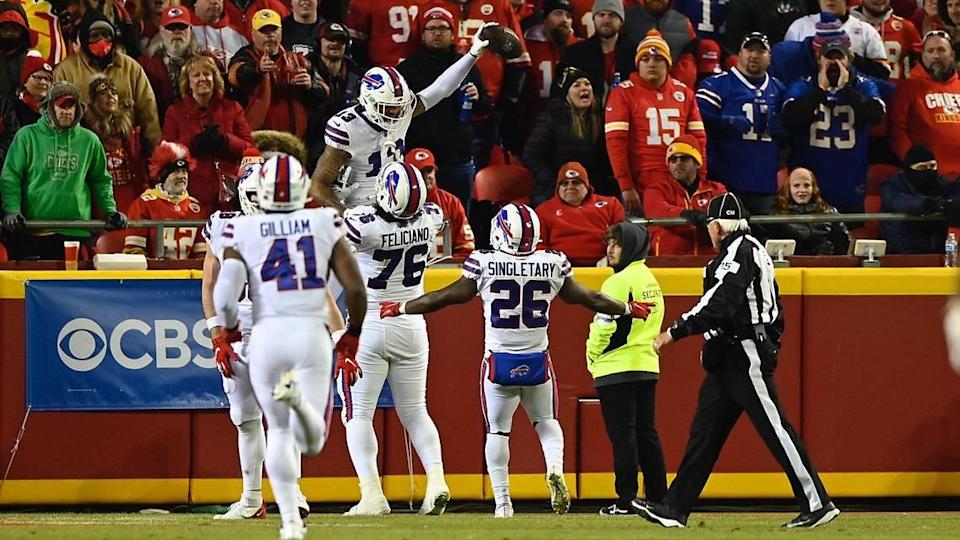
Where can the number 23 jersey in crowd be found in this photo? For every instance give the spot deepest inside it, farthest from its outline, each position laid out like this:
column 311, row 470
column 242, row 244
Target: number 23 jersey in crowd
column 517, row 291
column 288, row 259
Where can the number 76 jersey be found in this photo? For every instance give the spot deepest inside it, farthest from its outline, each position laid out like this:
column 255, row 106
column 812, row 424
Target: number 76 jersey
column 517, row 291
column 288, row 260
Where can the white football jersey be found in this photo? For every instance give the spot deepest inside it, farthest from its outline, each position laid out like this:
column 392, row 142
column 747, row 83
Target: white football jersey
column 517, row 291
column 288, row 259
column 370, row 148
column 392, row 254
column 213, row 234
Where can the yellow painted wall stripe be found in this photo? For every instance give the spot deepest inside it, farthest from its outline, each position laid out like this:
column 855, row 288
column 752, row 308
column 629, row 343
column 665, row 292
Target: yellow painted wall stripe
column 12, row 283
column 464, row 487
column 880, row 281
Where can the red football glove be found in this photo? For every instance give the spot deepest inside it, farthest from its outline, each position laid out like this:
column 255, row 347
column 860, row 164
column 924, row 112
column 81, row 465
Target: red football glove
column 389, row 309
column 640, row 310
column 224, row 355
column 347, row 365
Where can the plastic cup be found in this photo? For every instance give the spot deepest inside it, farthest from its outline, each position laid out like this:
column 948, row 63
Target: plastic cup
column 71, row 251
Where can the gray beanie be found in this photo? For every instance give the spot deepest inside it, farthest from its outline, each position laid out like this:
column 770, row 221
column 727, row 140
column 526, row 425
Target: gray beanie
column 615, row 6
column 59, row 90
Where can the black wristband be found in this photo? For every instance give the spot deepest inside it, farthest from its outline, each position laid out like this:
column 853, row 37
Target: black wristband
column 353, row 330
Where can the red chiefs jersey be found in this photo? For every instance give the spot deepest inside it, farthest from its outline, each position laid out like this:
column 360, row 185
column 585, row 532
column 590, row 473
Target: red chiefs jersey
column 544, row 56
column 460, row 231
column 926, row 111
column 582, row 18
column 178, row 242
column 641, row 121
column 668, row 199
column 900, row 38
column 473, row 14
column 389, row 27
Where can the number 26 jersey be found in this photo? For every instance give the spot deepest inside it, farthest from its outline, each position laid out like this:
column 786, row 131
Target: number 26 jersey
column 288, row 259
column 517, row 291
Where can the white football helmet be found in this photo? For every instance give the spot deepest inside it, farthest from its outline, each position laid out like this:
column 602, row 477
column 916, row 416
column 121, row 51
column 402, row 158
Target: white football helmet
column 515, row 230
column 248, row 183
column 283, row 184
column 386, row 99
column 401, row 191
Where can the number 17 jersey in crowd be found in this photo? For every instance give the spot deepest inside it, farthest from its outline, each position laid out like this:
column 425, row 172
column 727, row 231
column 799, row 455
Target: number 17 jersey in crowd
column 517, row 291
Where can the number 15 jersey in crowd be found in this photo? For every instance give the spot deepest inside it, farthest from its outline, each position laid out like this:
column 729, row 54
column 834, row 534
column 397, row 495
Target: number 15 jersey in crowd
column 517, row 291
column 288, row 260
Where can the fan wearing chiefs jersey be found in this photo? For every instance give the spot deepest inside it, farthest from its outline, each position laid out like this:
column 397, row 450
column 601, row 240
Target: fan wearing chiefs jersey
column 393, row 239
column 384, row 32
column 545, row 43
column 517, row 284
column 170, row 166
column 366, row 137
column 900, row 37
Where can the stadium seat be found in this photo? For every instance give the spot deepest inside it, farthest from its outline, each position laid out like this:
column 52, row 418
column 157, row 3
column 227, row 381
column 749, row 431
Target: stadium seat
column 499, row 156
column 870, row 229
column 502, row 184
column 111, row 242
column 3, row 253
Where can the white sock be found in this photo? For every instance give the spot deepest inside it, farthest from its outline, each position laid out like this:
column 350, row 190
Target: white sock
column 370, row 487
column 435, row 476
column 424, row 437
column 252, row 446
column 283, row 473
column 497, row 452
column 551, row 440
column 362, row 444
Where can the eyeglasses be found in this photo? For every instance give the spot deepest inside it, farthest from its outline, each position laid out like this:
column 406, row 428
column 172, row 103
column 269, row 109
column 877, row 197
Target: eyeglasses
column 42, row 78
column 438, row 29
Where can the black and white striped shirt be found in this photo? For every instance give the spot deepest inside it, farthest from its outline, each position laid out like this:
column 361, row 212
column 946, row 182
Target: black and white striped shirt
column 740, row 292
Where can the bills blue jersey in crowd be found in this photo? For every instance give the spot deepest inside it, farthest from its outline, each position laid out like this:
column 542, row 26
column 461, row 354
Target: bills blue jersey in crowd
column 742, row 159
column 835, row 145
column 709, row 17
column 517, row 291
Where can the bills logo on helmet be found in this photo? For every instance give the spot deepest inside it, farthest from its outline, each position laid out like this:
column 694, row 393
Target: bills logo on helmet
column 246, row 171
column 503, row 223
column 373, row 81
column 392, row 181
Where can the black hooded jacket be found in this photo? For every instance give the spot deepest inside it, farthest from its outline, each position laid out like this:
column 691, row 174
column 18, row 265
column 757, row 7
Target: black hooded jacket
column 635, row 244
column 12, row 61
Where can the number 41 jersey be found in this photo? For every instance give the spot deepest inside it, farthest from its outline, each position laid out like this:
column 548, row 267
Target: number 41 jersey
column 288, row 260
column 517, row 291
column 392, row 254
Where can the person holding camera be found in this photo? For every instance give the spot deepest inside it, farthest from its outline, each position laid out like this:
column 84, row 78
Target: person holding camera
column 828, row 116
column 274, row 85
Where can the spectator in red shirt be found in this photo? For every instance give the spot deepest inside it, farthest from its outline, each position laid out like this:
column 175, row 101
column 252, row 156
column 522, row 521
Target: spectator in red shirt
column 170, row 165
column 686, row 194
column 453, row 211
column 573, row 221
column 166, row 55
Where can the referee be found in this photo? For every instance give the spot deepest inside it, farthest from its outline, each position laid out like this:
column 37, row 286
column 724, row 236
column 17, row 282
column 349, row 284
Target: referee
column 741, row 317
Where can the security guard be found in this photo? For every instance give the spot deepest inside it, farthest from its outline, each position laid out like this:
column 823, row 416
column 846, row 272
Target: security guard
column 625, row 369
column 741, row 316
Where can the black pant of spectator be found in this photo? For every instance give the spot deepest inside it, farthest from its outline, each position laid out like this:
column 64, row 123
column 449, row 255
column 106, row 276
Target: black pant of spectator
column 628, row 413
column 24, row 246
column 740, row 378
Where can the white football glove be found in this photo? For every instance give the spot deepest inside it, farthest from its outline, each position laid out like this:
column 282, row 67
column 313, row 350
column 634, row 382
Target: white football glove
column 478, row 44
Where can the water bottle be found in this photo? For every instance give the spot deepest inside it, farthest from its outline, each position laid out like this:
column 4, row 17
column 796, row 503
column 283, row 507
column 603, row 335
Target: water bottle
column 950, row 251
column 466, row 107
column 616, row 79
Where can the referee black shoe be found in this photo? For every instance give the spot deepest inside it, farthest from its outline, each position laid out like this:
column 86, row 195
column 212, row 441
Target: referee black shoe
column 809, row 520
column 659, row 513
column 616, row 509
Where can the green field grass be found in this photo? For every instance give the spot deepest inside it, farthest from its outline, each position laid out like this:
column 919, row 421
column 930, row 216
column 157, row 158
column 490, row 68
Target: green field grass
column 464, row 526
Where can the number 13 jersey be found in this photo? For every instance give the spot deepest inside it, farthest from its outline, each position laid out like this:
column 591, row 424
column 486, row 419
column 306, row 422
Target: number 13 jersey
column 517, row 291
column 392, row 253
column 288, row 260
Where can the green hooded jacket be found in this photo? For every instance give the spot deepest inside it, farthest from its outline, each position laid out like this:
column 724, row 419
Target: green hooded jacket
column 621, row 349
column 52, row 173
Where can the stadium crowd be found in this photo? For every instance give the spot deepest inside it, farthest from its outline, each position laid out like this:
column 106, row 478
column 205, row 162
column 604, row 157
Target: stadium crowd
column 613, row 108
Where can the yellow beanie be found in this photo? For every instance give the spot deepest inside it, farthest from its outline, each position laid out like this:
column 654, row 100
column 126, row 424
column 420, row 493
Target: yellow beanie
column 653, row 44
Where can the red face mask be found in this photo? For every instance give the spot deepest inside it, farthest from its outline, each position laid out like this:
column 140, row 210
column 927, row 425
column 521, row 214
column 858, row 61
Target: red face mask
column 101, row 48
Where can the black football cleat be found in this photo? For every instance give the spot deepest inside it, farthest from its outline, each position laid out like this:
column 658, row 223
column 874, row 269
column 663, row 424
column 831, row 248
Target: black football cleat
column 810, row 520
column 660, row 514
column 617, row 509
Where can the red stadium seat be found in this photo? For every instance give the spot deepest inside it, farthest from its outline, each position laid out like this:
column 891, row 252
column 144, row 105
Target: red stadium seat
column 111, row 242
column 3, row 253
column 499, row 156
column 870, row 229
column 502, row 184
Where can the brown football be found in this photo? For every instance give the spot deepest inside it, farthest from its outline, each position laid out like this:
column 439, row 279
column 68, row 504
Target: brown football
column 503, row 42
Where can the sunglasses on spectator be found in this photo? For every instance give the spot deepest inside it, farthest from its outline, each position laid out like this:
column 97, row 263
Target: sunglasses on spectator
column 937, row 33
column 679, row 157
column 575, row 183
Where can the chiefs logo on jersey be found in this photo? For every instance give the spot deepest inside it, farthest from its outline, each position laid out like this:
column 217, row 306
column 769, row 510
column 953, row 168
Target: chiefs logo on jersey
column 678, row 95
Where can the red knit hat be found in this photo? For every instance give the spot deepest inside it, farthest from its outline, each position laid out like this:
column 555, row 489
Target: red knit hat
column 439, row 13
column 33, row 63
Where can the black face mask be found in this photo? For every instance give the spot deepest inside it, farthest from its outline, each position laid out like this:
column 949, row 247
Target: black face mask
column 926, row 182
column 10, row 44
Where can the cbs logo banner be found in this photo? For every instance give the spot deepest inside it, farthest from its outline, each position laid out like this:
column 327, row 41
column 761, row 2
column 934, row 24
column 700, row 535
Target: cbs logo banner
column 119, row 345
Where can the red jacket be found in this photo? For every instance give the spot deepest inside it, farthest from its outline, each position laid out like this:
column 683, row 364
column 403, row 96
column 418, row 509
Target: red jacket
column 178, row 242
column 578, row 230
column 641, row 121
column 185, row 119
column 668, row 198
column 925, row 111
column 453, row 212
column 242, row 19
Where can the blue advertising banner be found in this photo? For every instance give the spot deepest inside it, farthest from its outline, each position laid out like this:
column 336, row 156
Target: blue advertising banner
column 136, row 344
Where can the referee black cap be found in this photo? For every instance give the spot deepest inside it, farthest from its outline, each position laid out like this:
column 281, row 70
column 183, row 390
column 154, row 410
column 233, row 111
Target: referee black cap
column 726, row 206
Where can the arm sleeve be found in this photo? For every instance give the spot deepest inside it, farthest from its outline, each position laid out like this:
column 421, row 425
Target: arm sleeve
column 146, row 108
column 720, row 302
column 695, row 127
column 12, row 175
column 512, row 87
column 230, row 281
column 710, row 103
column 100, row 181
column 656, row 202
column 603, row 326
column 617, row 133
column 238, row 137
column 793, row 32
column 448, row 82
column 801, row 105
column 899, row 200
column 875, row 49
column 898, row 133
column 864, row 97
